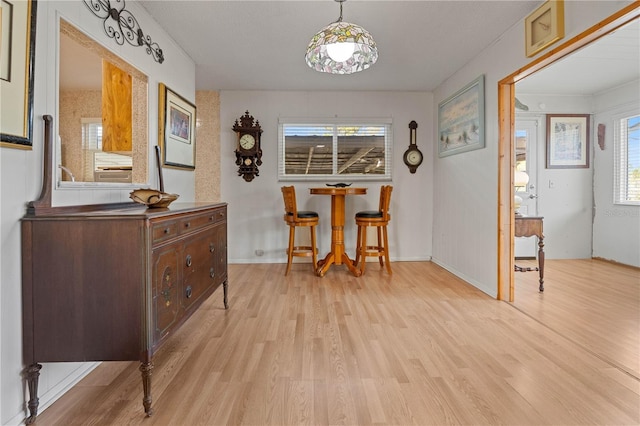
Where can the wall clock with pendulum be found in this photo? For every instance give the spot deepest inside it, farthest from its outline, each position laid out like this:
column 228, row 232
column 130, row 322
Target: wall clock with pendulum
column 248, row 150
column 413, row 156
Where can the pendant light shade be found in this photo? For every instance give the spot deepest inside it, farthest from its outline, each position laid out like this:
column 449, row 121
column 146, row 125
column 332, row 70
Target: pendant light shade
column 341, row 48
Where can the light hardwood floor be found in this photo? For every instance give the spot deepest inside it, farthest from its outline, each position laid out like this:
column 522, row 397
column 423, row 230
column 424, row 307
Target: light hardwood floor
column 420, row 347
column 593, row 303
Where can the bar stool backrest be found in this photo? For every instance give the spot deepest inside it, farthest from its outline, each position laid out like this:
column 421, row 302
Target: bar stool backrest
column 290, row 207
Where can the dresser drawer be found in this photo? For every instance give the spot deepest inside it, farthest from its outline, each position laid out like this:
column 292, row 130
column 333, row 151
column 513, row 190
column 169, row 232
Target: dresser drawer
column 195, row 222
column 164, row 230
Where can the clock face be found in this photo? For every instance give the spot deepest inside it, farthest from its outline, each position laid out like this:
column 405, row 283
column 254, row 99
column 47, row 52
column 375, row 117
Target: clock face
column 541, row 28
column 414, row 157
column 247, row 142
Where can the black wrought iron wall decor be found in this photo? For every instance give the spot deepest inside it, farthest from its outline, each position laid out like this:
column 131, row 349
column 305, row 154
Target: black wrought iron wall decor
column 121, row 25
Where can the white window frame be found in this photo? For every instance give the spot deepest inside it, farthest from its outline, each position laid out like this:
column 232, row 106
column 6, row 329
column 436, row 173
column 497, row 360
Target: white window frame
column 336, row 122
column 90, row 137
column 621, row 155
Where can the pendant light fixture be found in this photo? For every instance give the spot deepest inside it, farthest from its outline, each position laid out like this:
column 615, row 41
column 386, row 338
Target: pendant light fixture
column 341, row 48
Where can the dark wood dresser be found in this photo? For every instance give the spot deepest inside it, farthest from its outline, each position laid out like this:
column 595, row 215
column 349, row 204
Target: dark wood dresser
column 112, row 282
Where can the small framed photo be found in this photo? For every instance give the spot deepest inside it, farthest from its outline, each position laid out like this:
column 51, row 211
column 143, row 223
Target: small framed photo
column 544, row 26
column 568, row 141
column 176, row 129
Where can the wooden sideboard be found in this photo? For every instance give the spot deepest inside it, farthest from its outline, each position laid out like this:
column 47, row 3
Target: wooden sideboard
column 112, row 282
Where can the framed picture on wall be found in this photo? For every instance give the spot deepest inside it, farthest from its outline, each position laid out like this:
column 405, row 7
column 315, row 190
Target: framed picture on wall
column 461, row 120
column 176, row 129
column 567, row 141
column 17, row 58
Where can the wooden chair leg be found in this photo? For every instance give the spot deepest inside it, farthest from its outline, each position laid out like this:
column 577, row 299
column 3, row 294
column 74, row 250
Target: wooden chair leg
column 363, row 249
column 386, row 249
column 313, row 247
column 357, row 256
column 380, row 246
column 292, row 235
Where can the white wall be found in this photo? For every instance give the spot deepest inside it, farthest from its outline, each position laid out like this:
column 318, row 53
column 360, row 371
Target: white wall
column 564, row 195
column 466, row 185
column 616, row 227
column 256, row 208
column 21, row 177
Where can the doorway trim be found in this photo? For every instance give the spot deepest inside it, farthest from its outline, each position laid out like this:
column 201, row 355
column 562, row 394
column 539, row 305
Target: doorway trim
column 506, row 128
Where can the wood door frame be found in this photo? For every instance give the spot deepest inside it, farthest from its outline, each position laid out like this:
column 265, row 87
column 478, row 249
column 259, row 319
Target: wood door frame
column 506, row 128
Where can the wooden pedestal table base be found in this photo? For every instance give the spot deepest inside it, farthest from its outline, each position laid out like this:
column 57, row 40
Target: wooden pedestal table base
column 337, row 255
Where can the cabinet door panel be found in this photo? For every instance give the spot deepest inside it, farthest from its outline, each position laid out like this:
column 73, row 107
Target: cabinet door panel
column 166, row 290
column 220, row 254
column 199, row 267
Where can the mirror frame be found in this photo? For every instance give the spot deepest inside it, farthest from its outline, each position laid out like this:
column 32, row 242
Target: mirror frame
column 140, row 151
column 506, row 143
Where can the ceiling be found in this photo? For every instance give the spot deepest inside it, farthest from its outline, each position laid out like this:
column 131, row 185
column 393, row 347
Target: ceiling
column 609, row 62
column 260, row 45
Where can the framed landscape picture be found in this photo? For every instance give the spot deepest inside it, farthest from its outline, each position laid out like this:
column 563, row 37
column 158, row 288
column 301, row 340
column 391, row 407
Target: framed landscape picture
column 461, row 120
column 567, row 141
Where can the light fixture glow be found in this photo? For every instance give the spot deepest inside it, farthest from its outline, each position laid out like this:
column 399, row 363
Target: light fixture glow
column 340, row 52
column 341, row 48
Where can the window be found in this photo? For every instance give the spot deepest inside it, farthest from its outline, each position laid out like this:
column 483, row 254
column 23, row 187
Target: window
column 92, row 133
column 627, row 160
column 334, row 150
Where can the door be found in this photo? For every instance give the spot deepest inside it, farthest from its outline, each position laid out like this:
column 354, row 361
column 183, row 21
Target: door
column 525, row 180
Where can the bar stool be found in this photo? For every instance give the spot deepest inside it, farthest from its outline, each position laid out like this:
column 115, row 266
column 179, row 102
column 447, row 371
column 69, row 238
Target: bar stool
column 380, row 219
column 295, row 218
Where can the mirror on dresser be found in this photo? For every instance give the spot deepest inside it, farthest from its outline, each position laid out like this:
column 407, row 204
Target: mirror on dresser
column 102, row 104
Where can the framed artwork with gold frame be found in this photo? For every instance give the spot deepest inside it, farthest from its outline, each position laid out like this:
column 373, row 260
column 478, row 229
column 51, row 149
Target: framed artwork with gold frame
column 544, row 26
column 17, row 65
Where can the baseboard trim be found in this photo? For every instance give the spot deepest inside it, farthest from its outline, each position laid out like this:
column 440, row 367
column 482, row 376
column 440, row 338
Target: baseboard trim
column 613, row 262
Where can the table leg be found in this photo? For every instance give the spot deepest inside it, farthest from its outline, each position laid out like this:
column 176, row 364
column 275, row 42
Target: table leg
column 337, row 255
column 324, row 264
column 347, row 261
column 541, row 261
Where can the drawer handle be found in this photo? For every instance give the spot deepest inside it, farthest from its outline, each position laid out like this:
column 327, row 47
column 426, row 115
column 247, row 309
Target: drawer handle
column 211, row 218
column 212, row 273
column 188, row 224
column 166, row 230
column 188, row 292
column 188, row 260
column 212, row 247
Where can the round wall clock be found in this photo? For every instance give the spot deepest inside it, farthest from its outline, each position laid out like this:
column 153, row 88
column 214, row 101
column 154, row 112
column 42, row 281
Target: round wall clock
column 412, row 156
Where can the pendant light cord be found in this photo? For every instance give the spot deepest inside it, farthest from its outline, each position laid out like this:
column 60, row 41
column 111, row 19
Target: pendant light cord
column 340, row 18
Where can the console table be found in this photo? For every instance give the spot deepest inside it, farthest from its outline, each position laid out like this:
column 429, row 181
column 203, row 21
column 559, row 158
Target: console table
column 528, row 226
